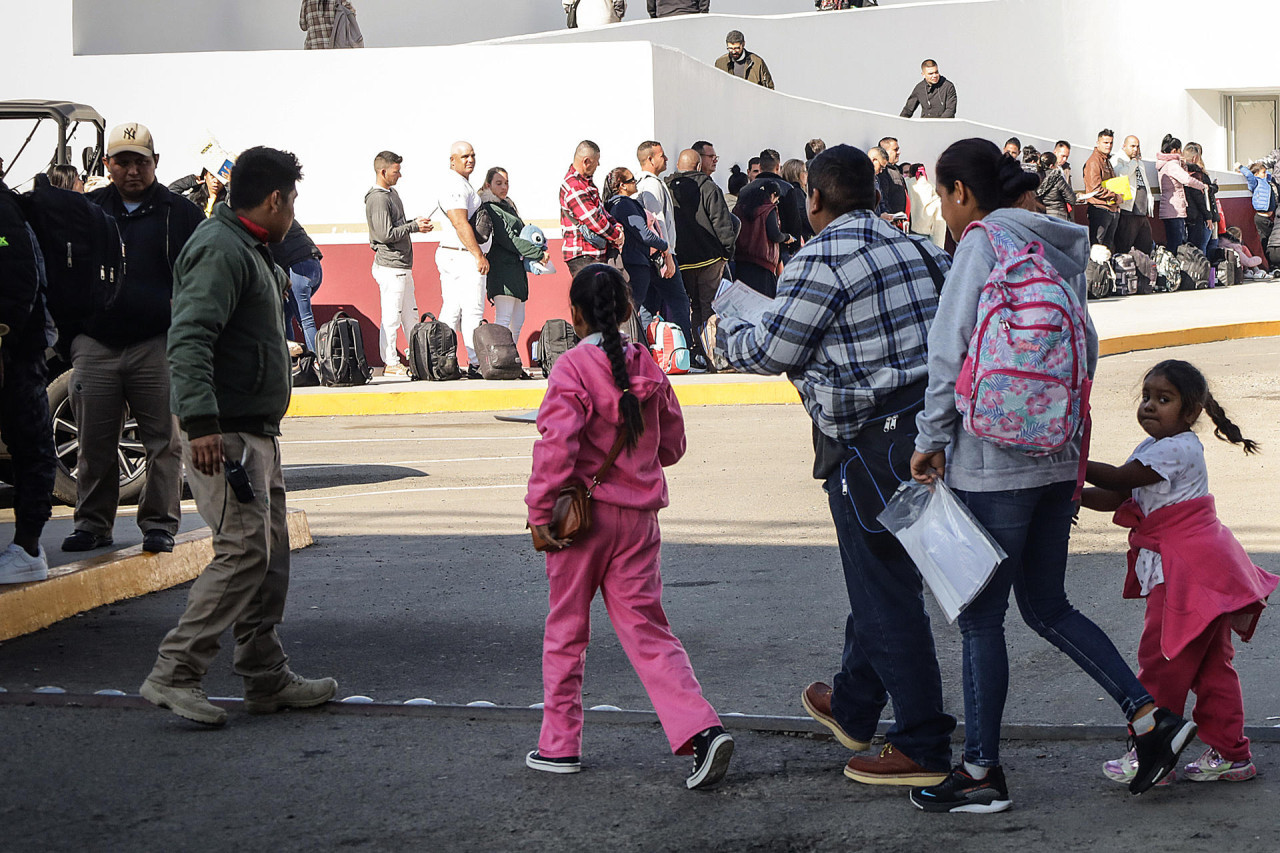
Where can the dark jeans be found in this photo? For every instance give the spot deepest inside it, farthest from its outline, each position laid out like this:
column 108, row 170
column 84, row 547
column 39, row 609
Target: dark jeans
column 758, row 278
column 27, row 431
column 1033, row 526
column 304, row 280
column 888, row 644
column 1175, row 233
column 1264, row 224
column 654, row 294
column 1134, row 232
column 1102, row 226
column 1198, row 235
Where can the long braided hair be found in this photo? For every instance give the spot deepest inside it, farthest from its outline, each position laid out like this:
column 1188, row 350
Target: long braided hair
column 1194, row 389
column 602, row 297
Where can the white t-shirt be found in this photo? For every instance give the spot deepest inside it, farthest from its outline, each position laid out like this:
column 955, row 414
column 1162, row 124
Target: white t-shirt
column 655, row 197
column 456, row 193
column 1179, row 459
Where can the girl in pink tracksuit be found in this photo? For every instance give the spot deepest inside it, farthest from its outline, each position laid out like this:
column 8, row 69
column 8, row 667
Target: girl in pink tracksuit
column 601, row 386
column 1198, row 581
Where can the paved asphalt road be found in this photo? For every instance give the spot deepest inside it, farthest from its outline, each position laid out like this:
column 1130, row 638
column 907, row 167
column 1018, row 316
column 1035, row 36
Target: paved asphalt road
column 422, row 584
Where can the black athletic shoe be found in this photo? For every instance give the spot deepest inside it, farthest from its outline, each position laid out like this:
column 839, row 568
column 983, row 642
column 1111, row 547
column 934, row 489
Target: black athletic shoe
column 960, row 792
column 1158, row 749
column 712, row 750
column 567, row 764
column 157, row 542
column 473, row 372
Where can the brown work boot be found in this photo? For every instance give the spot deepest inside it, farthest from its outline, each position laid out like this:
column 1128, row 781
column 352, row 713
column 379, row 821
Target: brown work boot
column 891, row 767
column 816, row 700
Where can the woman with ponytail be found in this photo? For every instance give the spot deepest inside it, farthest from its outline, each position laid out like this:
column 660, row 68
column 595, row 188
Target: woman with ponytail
column 1024, row 502
column 1198, row 582
column 1174, row 180
column 605, row 391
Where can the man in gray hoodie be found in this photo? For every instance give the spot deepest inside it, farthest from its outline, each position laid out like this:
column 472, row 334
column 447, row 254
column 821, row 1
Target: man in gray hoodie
column 389, row 237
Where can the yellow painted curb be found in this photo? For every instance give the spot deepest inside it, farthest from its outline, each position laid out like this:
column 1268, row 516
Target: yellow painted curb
column 128, row 573
column 1186, row 337
column 470, row 397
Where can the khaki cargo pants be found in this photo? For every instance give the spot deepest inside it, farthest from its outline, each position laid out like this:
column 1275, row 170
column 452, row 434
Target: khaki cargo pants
column 245, row 585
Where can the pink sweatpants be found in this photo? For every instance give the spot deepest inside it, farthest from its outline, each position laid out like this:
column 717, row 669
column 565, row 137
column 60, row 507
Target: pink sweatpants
column 621, row 557
column 1204, row 667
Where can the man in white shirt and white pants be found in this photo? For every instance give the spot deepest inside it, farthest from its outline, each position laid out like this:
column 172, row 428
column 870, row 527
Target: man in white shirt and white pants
column 460, row 257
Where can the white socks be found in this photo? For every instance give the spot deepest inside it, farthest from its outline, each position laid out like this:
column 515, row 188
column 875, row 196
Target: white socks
column 975, row 771
column 1142, row 725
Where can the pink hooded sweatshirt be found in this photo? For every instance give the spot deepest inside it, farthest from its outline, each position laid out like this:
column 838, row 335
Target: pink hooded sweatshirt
column 1207, row 573
column 1174, row 180
column 579, row 421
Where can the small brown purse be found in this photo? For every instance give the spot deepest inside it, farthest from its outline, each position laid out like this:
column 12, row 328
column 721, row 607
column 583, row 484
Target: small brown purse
column 571, row 516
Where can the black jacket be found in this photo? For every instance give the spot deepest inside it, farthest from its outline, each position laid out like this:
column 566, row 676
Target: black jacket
column 296, row 246
column 893, row 189
column 1056, row 194
column 662, row 8
column 641, row 242
column 936, row 101
column 788, row 215
column 22, row 282
column 705, row 229
column 153, row 236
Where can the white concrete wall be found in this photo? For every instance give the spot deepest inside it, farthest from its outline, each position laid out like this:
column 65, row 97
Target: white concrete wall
column 169, row 26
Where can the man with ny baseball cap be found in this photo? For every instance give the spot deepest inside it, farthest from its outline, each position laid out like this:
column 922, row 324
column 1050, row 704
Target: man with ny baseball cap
column 119, row 360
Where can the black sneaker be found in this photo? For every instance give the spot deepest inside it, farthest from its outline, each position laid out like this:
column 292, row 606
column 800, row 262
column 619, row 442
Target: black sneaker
column 960, row 792
column 568, row 764
column 1158, row 749
column 85, row 540
column 473, row 372
column 712, row 750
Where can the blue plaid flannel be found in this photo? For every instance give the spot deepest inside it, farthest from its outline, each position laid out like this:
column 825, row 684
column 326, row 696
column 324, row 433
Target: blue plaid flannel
column 850, row 324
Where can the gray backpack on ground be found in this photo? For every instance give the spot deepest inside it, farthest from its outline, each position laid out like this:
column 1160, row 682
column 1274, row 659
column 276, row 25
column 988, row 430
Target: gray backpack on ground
column 496, row 351
column 1194, row 268
column 556, row 339
column 433, row 350
column 1126, row 274
column 340, row 352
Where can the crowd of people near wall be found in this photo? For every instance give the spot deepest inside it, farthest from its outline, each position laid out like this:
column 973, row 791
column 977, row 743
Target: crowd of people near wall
column 192, row 343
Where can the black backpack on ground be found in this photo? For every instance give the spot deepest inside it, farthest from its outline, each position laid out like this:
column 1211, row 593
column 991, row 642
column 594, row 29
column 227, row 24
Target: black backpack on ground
column 83, row 252
column 1125, row 269
column 433, row 350
column 1230, row 270
column 1145, row 269
column 1194, row 267
column 496, row 351
column 556, row 339
column 340, row 352
column 305, row 374
column 1099, row 278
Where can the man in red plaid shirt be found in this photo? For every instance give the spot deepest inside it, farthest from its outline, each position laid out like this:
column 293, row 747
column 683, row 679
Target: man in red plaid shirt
column 582, row 208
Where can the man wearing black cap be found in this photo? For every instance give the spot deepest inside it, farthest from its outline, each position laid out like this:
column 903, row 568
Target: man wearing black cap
column 849, row 327
column 120, row 360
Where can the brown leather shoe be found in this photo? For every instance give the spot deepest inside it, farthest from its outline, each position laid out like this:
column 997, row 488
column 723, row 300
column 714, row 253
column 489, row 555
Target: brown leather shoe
column 816, row 699
column 891, row 767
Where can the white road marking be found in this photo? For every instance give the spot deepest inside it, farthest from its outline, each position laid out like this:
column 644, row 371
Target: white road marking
column 409, row 438
column 294, row 500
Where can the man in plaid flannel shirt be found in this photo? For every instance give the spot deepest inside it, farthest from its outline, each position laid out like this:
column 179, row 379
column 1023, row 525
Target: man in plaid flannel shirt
column 849, row 327
column 580, row 205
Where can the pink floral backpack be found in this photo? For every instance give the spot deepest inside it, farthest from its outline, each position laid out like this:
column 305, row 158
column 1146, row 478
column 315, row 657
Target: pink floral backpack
column 1024, row 383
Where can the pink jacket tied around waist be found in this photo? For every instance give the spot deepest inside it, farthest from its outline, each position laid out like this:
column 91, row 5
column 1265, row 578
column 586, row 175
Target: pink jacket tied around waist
column 579, row 420
column 1207, row 573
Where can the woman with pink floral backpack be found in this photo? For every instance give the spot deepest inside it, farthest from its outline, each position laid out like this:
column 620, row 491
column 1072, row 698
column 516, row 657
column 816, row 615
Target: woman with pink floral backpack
column 1011, row 351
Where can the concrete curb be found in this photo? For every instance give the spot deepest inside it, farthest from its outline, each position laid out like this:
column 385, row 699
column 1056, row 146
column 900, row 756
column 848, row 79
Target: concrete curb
column 799, row 726
column 731, row 391
column 76, row 587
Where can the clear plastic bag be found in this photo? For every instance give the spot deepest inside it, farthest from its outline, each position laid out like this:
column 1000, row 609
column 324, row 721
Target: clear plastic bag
column 954, row 553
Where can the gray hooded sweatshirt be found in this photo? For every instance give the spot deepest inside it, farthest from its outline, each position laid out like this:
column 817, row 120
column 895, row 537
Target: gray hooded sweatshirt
column 389, row 230
column 974, row 464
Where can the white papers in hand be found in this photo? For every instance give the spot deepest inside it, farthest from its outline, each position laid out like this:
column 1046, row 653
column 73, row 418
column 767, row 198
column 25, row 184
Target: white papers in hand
column 738, row 301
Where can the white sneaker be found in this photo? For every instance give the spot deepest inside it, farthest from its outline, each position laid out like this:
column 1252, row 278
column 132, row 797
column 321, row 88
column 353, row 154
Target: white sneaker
column 17, row 566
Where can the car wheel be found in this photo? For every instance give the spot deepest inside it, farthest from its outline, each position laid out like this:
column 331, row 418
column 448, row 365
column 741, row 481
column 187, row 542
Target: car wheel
column 131, row 455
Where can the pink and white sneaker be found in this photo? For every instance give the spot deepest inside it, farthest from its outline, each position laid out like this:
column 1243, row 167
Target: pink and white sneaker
column 1123, row 770
column 1212, row 767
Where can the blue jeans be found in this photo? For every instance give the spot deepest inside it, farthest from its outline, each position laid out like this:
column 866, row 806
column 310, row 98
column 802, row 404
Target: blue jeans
column 667, row 296
column 1198, row 235
column 1175, row 233
column 888, row 644
column 1033, row 526
column 304, row 280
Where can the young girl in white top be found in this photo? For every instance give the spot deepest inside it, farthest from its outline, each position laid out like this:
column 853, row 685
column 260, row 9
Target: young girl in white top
column 1197, row 579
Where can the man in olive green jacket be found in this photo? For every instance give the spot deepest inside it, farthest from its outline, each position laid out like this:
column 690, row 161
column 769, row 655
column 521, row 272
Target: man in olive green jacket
column 230, row 389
